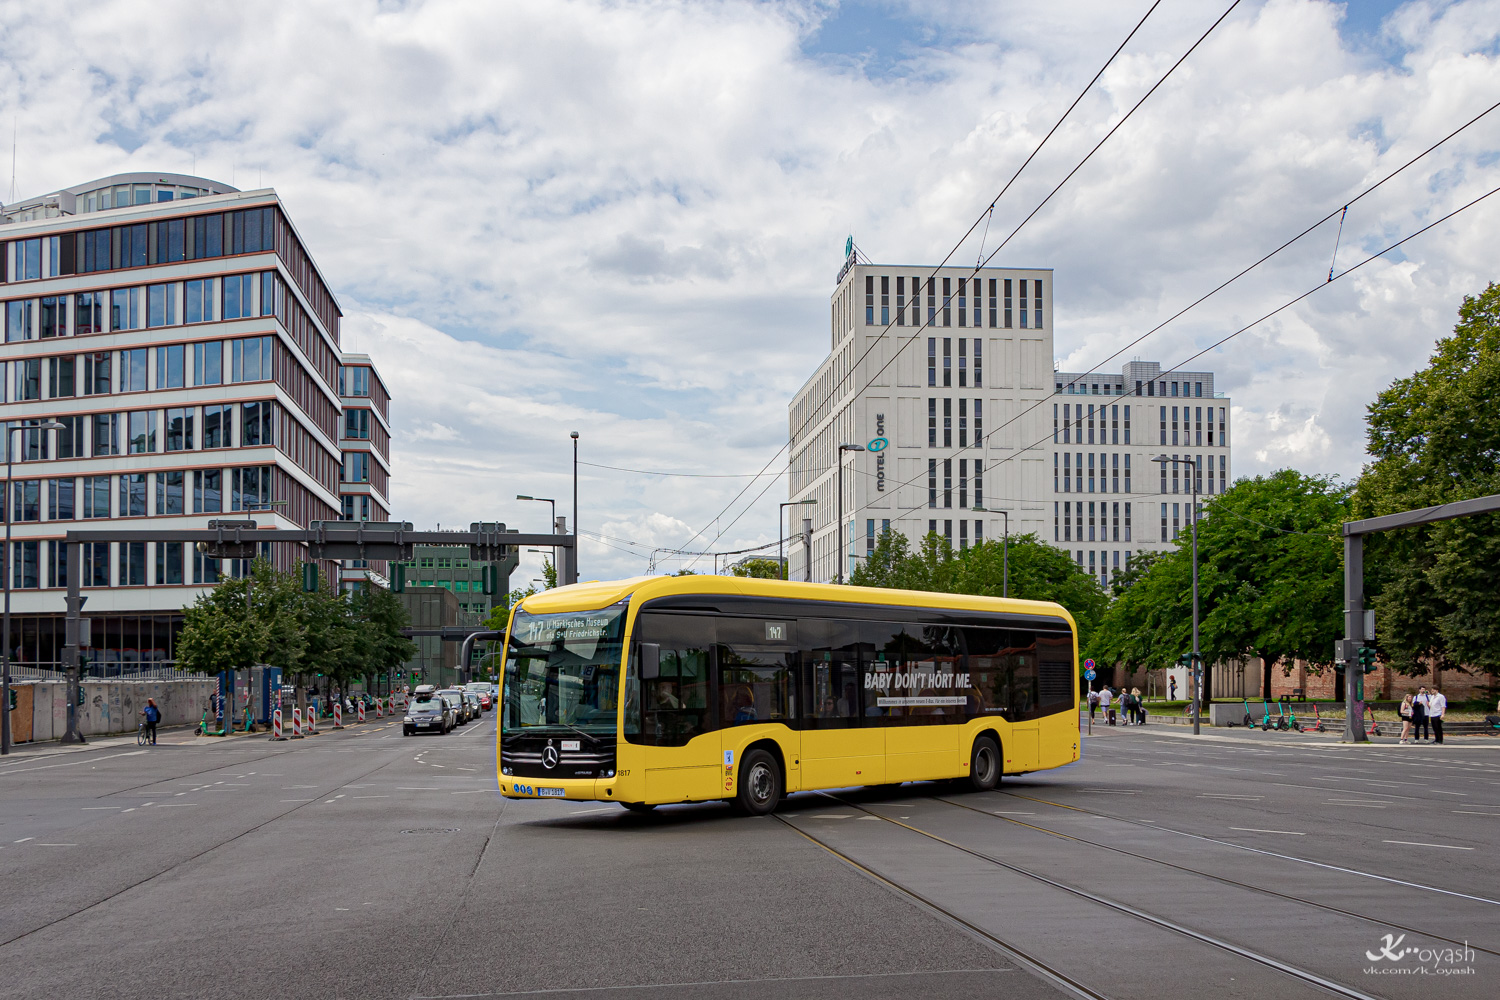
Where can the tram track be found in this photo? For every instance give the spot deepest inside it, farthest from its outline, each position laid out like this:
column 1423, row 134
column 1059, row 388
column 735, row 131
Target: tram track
column 1034, row 963
column 1222, row 879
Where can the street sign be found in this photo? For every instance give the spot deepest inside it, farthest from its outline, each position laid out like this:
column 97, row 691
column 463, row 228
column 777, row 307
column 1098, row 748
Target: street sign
column 1089, row 675
column 879, row 444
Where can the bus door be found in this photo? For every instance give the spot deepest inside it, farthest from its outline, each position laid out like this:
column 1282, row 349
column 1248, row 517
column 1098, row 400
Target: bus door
column 913, row 688
column 757, row 663
column 840, row 746
column 677, row 707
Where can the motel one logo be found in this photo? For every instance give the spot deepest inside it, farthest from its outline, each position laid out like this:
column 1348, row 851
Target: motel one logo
column 1393, row 957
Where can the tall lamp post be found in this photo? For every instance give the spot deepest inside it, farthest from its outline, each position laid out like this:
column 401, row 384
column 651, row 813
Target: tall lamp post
column 1004, row 549
column 552, row 523
column 1195, row 665
column 780, row 516
column 573, row 569
column 839, row 569
column 10, row 451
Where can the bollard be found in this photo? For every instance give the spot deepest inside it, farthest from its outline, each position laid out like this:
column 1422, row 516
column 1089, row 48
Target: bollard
column 361, row 708
column 296, row 723
column 312, row 721
column 338, row 715
column 276, row 725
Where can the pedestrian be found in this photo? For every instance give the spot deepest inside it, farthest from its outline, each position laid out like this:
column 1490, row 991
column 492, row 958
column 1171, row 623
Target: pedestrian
column 1437, row 706
column 1093, row 704
column 1106, row 702
column 1405, row 711
column 1137, row 706
column 1419, row 715
column 153, row 716
column 1172, row 688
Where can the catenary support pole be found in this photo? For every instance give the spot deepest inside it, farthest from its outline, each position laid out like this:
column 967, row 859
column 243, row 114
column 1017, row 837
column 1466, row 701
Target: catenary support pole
column 1354, row 631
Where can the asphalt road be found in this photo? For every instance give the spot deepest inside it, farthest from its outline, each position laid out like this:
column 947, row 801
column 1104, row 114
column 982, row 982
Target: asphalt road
column 363, row 864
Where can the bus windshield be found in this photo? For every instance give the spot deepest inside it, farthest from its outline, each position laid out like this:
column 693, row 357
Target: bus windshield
column 562, row 672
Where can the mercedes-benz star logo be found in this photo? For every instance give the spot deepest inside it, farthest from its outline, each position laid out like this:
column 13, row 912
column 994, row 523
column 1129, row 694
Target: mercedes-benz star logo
column 549, row 757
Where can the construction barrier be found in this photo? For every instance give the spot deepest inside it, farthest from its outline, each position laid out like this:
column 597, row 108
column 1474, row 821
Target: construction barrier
column 312, row 721
column 338, row 715
column 296, row 723
column 276, row 725
column 361, row 709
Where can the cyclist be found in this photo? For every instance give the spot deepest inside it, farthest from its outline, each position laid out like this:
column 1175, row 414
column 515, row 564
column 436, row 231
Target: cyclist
column 153, row 716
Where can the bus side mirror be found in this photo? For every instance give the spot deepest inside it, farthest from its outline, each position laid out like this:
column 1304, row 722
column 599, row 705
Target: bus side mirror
column 650, row 657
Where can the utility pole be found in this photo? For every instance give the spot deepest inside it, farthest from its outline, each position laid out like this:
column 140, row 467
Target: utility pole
column 1195, row 667
column 838, row 569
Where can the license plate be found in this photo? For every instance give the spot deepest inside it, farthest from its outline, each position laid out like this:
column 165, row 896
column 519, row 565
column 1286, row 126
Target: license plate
column 424, row 725
column 550, row 793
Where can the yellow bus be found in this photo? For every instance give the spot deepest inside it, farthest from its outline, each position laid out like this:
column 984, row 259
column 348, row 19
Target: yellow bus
column 687, row 689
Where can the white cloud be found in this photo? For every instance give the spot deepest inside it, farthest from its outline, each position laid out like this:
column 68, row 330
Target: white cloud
column 625, row 219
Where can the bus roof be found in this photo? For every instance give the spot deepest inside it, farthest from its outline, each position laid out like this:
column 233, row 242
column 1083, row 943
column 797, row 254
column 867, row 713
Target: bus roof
column 602, row 593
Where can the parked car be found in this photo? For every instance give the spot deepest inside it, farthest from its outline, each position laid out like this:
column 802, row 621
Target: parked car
column 455, row 697
column 476, row 709
column 428, row 712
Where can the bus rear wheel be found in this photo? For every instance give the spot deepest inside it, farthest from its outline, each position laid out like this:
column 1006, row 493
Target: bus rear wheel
column 760, row 784
column 639, row 807
column 984, row 765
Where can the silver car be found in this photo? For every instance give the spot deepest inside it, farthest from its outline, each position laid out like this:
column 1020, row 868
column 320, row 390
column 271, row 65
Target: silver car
column 455, row 698
column 428, row 712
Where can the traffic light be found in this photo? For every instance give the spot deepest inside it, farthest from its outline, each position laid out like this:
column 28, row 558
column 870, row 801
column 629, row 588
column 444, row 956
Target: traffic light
column 310, row 577
column 398, row 578
column 1366, row 659
column 488, row 577
column 80, row 694
column 12, row 699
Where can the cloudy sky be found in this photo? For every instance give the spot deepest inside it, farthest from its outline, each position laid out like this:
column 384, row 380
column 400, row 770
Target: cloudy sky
column 626, row 219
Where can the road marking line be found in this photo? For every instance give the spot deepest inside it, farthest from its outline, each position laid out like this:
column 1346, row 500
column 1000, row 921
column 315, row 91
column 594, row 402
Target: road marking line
column 1413, row 843
column 75, row 845
column 1471, row 812
column 1215, row 795
column 372, row 796
column 130, row 810
column 1108, row 791
column 1251, row 829
column 296, row 800
column 1439, row 791
column 87, row 808
column 177, row 805
column 832, row 816
column 22, row 840
column 1008, row 812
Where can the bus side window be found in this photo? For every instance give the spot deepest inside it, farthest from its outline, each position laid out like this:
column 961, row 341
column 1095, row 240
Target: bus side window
column 674, row 704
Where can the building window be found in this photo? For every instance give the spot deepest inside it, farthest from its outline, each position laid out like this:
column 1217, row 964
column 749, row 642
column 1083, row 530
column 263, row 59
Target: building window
column 1176, row 521
column 169, row 367
column 1067, row 521
column 932, row 302
column 60, row 380
column 885, row 300
column 357, row 424
column 208, row 491
column 993, row 301
column 133, row 494
column 963, row 310
column 978, row 421
column 239, row 296
column 170, row 490
column 1008, row 303
column 947, row 482
column 1115, row 525
column 1164, row 522
column 257, row 424
column 161, row 305
column 900, row 301
column 963, row 483
column 948, row 423
column 96, row 496
column 1024, row 324
column 180, row 428
column 978, row 485
column 1037, row 287
column 963, row 421
column 1221, row 473
column 932, row 422
column 869, row 300
column 1054, row 424
column 132, row 564
column 208, row 363
column 1056, row 468
column 963, row 361
column 106, row 434
column 1091, row 472
column 357, row 466
column 1091, row 522
column 1067, row 472
column 947, row 361
column 141, row 433
column 60, row 499
column 199, row 301
column 932, row 361
column 1056, row 529
column 218, row 425
column 125, row 309
column 250, row 359
column 249, row 487
column 1163, row 425
column 26, row 500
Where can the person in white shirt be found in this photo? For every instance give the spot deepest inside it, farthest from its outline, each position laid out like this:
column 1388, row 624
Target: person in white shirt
column 1106, row 702
column 1419, row 723
column 1437, row 704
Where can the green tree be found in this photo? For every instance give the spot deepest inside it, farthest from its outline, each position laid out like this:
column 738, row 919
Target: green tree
column 759, row 569
column 1435, row 438
column 217, row 633
column 1038, row 572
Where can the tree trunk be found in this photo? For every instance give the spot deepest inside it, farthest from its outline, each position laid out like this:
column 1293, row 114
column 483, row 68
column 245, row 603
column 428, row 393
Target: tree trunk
column 1265, row 675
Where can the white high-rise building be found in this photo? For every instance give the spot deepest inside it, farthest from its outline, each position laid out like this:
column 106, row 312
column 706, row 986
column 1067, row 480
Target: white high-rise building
column 1110, row 497
column 947, row 379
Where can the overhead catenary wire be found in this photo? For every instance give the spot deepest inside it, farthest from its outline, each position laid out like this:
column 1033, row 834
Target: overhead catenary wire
column 1248, row 326
column 833, row 390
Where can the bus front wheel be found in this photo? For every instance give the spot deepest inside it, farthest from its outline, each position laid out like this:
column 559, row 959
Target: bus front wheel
column 984, row 765
column 760, row 784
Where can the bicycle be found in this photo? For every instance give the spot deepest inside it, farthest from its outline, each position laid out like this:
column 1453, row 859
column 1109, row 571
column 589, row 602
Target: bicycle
column 142, row 737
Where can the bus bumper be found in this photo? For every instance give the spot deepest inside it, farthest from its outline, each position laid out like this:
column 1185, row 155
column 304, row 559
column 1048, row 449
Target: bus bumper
column 574, row 789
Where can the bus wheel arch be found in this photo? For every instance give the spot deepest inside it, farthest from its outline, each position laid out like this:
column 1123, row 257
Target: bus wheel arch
column 761, row 779
column 986, row 761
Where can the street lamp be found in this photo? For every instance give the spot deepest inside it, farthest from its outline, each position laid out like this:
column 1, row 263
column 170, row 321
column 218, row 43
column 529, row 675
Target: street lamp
column 1193, row 522
column 552, row 523
column 573, row 560
column 1004, row 550
column 780, row 515
column 44, row 426
column 839, row 568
